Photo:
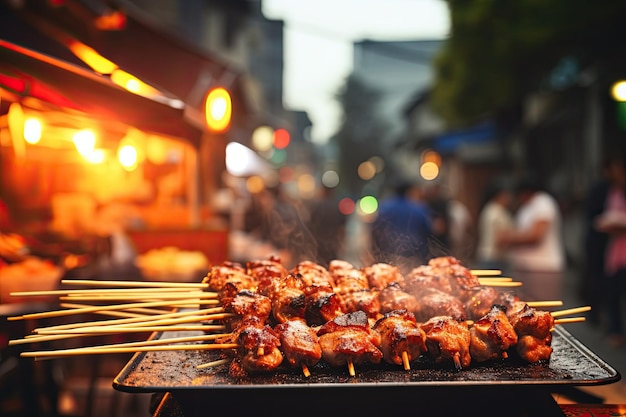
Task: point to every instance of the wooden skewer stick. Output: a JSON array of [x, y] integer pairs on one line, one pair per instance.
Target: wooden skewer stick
[[146, 284], [137, 297], [86, 291], [148, 323], [554, 303], [485, 272], [46, 338], [128, 312], [495, 279], [213, 363], [405, 361], [57, 313], [140, 329], [351, 367], [141, 319], [96, 351], [305, 370], [569, 320], [500, 284], [570, 311]]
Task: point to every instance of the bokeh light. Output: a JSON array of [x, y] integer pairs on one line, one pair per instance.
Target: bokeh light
[[32, 130], [368, 204], [127, 155], [618, 91], [366, 170], [306, 185], [85, 141], [429, 171], [330, 178], [346, 206], [255, 184], [431, 156], [262, 138], [378, 162], [281, 138]]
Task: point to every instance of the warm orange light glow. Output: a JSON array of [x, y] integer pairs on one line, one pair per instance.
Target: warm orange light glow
[[32, 130], [85, 141], [618, 91], [429, 171], [127, 155], [306, 185], [218, 109], [255, 184], [281, 138], [431, 156], [97, 156], [262, 138], [92, 58], [133, 84], [366, 170]]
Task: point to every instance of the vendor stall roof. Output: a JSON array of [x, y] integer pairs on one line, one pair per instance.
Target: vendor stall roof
[[28, 73]]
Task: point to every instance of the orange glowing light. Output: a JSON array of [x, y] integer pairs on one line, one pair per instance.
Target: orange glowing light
[[92, 58], [218, 109], [127, 155], [281, 138], [85, 141], [429, 171], [32, 130], [431, 156], [133, 84]]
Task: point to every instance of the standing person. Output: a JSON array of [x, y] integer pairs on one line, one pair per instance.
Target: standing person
[[328, 226], [536, 250], [402, 230], [613, 221], [495, 217]]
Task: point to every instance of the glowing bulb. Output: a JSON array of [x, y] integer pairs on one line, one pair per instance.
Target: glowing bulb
[[85, 141], [127, 155], [32, 130], [429, 171], [619, 91], [218, 109]]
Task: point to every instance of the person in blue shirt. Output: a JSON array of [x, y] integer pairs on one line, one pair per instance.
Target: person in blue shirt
[[402, 230]]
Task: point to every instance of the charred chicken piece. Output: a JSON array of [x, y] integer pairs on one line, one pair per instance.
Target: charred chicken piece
[[313, 274], [448, 340], [219, 275], [381, 275], [272, 286], [479, 301], [492, 335], [534, 332], [393, 297], [299, 343], [244, 304], [363, 300], [402, 340], [322, 304], [438, 303], [258, 347], [347, 278], [348, 339], [444, 273], [288, 303], [266, 270]]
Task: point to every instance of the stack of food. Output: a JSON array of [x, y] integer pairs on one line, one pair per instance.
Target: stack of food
[[271, 318]]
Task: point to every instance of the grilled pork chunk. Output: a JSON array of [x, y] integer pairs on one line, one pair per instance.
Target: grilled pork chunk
[[492, 335], [400, 333], [448, 340]]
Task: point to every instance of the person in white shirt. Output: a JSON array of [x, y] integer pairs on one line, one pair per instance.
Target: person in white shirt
[[495, 217], [535, 247]]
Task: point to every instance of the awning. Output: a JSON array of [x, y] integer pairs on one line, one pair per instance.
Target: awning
[[474, 135], [139, 46], [27, 73]]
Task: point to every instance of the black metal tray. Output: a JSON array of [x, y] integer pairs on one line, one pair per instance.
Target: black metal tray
[[571, 363]]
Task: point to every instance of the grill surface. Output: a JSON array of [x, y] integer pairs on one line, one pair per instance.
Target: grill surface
[[571, 363]]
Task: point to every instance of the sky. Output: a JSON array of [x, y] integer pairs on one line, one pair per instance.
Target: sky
[[318, 45]]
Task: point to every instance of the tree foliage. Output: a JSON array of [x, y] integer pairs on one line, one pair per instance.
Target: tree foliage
[[499, 51]]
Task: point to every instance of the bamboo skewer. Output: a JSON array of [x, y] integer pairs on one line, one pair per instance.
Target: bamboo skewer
[[140, 329], [147, 290], [96, 351], [136, 297], [405, 361], [144, 284], [494, 283], [351, 367], [57, 313], [213, 363], [305, 370], [569, 320], [495, 279], [485, 272], [131, 320], [128, 312], [570, 311], [547, 303]]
